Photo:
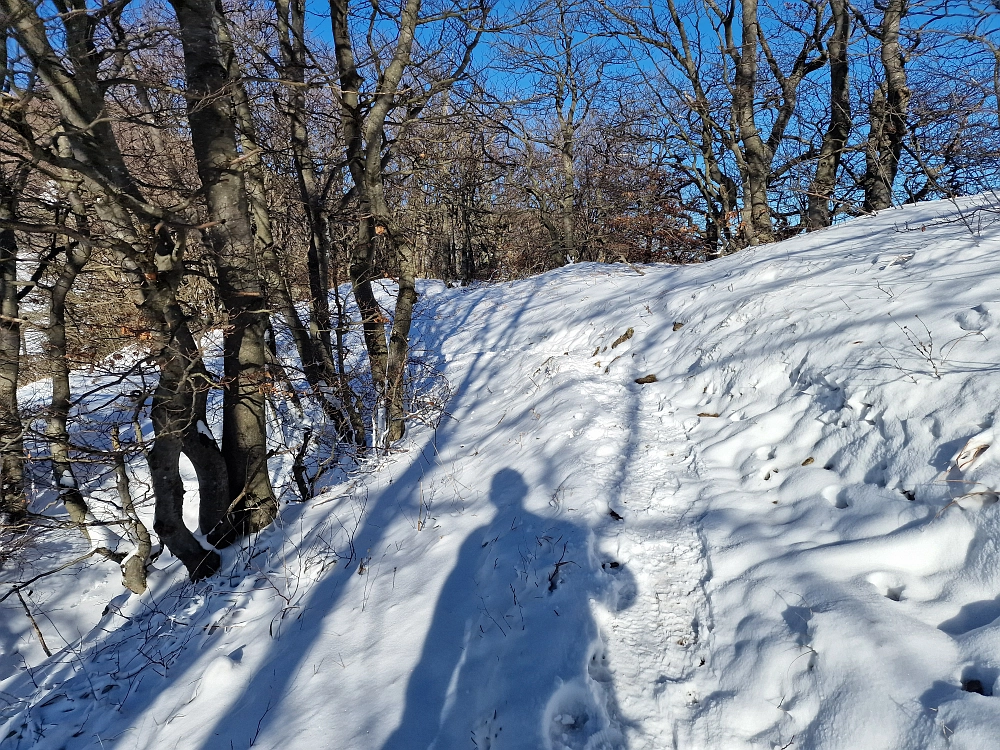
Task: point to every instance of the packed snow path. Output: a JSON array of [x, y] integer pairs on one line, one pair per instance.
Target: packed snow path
[[749, 504]]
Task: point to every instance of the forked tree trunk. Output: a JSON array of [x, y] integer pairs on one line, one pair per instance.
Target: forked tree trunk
[[888, 112], [213, 136], [178, 414], [364, 138]]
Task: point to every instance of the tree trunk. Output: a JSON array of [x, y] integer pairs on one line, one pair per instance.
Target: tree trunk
[[322, 370], [364, 139], [178, 414], [13, 502], [134, 565], [567, 201], [887, 114], [213, 136], [399, 337], [373, 321], [77, 255], [818, 214], [758, 161], [56, 430], [468, 247]]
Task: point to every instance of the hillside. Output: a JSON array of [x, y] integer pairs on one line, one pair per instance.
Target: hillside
[[745, 504]]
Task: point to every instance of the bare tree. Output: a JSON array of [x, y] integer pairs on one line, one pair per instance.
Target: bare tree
[[369, 94], [731, 84], [213, 137], [890, 102], [136, 231], [835, 139], [563, 63]]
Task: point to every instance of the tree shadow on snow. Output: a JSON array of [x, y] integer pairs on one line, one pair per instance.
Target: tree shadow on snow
[[554, 653], [513, 657]]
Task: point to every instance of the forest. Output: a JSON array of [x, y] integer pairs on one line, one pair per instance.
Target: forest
[[286, 172]]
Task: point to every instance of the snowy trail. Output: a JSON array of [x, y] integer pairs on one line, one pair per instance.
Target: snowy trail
[[639, 458], [787, 538], [624, 453]]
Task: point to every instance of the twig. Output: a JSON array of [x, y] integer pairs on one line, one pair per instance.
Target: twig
[[259, 722], [38, 631], [554, 575], [421, 519], [16, 589], [632, 266]]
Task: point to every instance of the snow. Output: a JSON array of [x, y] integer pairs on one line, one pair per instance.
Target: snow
[[788, 539], [203, 430]]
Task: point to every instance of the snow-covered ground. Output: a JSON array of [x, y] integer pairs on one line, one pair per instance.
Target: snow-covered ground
[[787, 538]]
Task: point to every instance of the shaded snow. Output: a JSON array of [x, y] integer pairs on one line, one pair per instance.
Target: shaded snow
[[787, 540]]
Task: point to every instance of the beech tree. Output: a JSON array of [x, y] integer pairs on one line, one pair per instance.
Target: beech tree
[[887, 124], [138, 232], [212, 119], [824, 182], [220, 170], [13, 502], [430, 49]]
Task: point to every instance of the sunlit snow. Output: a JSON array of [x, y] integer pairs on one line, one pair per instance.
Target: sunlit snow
[[789, 538]]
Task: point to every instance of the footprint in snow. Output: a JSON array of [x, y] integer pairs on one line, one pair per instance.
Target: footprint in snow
[[975, 320], [575, 720]]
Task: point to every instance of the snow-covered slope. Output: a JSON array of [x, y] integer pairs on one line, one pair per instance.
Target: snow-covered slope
[[786, 538]]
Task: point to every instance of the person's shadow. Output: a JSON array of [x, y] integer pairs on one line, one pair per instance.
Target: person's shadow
[[513, 657]]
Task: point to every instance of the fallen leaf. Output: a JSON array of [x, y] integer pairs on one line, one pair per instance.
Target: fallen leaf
[[623, 338]]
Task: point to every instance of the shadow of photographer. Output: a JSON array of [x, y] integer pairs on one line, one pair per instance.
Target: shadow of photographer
[[513, 656]]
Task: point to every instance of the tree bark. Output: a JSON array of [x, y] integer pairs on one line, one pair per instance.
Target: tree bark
[[758, 228], [818, 213], [213, 136], [56, 429], [887, 113], [77, 255], [13, 502], [178, 414], [134, 565]]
